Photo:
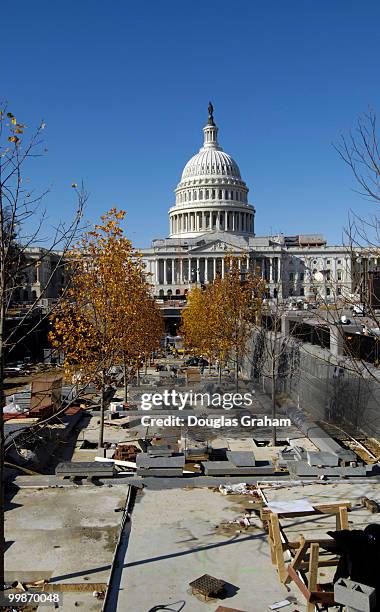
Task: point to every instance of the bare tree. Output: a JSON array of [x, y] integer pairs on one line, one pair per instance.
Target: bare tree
[[275, 354], [23, 224]]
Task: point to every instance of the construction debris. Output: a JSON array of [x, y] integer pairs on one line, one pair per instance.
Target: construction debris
[[238, 489], [371, 505]]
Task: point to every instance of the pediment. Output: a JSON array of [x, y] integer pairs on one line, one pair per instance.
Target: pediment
[[215, 246]]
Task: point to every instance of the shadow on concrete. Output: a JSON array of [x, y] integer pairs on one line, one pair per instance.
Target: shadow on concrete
[[195, 550]]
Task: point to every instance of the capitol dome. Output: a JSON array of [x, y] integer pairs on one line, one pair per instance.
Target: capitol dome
[[211, 161], [211, 195]]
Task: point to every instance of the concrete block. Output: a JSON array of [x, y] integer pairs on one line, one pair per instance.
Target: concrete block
[[354, 595], [301, 468], [143, 460], [241, 458], [321, 458], [161, 473], [159, 450], [221, 468], [83, 469]]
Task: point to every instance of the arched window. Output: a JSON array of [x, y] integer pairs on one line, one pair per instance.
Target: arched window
[[161, 293], [220, 194], [232, 195], [226, 194], [201, 194], [207, 194], [194, 195], [178, 291], [213, 194]]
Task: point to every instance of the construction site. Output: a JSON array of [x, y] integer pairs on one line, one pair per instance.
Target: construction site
[[202, 507]]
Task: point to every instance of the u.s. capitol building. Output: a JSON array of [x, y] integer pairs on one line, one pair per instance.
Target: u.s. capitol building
[[212, 216]]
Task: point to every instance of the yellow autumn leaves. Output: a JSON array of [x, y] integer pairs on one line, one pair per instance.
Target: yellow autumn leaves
[[218, 320], [107, 315], [15, 128]]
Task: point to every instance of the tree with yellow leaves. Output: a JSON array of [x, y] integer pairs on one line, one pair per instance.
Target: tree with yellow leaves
[[217, 321], [101, 319]]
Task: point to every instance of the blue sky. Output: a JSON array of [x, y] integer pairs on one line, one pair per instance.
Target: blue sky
[[123, 87]]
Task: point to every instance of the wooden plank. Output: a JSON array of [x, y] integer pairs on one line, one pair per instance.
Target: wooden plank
[[271, 543], [323, 597], [320, 541], [318, 509], [277, 545], [342, 519], [325, 563], [298, 557], [313, 573], [297, 580]]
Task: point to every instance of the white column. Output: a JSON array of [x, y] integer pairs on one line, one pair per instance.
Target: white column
[[198, 275], [247, 263], [271, 269], [165, 270], [214, 264], [222, 267], [157, 278], [181, 271], [206, 270]]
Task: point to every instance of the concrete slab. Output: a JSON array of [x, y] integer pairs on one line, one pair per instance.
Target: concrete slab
[[169, 549], [226, 467], [143, 460], [65, 535], [241, 458]]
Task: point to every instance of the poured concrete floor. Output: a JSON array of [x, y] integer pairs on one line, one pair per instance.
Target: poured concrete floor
[[175, 539], [64, 535]]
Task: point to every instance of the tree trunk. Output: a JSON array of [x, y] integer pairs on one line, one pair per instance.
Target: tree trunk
[[138, 374], [274, 431], [125, 379], [237, 371], [220, 371], [102, 410]]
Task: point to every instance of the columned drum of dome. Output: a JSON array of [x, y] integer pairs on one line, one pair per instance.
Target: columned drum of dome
[[211, 195]]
